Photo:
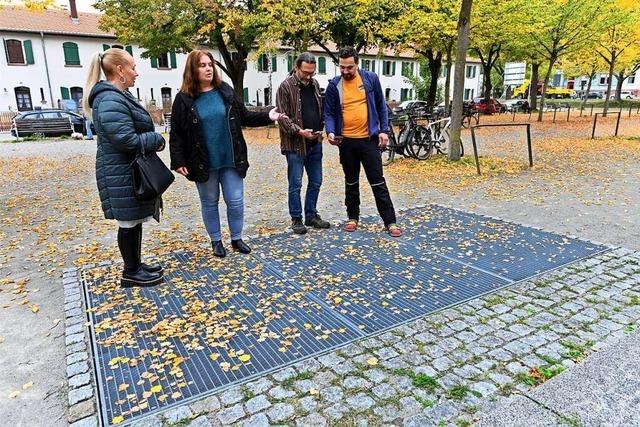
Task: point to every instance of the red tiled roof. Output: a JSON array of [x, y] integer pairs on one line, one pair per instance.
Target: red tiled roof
[[14, 18]]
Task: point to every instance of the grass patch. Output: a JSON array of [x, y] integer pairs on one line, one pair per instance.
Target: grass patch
[[426, 403], [575, 351], [458, 392], [461, 422], [537, 376], [425, 382], [494, 300], [634, 300]]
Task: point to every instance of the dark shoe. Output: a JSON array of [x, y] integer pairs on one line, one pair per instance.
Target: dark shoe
[[152, 268], [317, 222], [240, 246], [218, 249], [297, 226], [140, 278]]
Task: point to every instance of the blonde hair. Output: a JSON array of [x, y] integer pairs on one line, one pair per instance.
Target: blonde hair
[[102, 62]]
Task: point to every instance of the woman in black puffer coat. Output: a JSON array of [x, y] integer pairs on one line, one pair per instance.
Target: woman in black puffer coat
[[123, 126]]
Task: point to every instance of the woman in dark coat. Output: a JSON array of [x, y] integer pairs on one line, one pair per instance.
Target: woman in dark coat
[[123, 127], [207, 145]]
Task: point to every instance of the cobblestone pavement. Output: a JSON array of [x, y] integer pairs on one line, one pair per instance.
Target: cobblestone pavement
[[445, 368]]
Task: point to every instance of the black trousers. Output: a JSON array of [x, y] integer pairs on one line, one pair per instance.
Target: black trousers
[[365, 151]]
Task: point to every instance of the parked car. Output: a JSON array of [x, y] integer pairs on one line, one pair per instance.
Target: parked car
[[517, 105], [592, 95], [625, 94], [494, 106], [413, 107], [77, 120]]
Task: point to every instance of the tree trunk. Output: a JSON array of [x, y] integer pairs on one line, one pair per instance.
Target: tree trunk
[[620, 77], [233, 66], [447, 82], [586, 95], [486, 82], [464, 23], [612, 63], [435, 65], [533, 86], [552, 61]]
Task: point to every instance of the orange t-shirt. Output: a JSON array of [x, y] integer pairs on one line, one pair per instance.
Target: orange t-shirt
[[354, 109]]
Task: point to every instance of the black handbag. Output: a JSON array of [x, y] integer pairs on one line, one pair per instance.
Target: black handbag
[[151, 177]]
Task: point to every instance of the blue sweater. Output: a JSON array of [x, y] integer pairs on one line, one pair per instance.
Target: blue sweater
[[215, 129]]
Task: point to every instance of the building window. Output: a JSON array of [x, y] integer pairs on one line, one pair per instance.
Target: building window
[[71, 56], [557, 80], [389, 68], [404, 94], [387, 93], [165, 93], [369, 65], [76, 95], [407, 69], [23, 98], [604, 80], [322, 65], [165, 61], [468, 94], [15, 53], [42, 99], [152, 98], [263, 63], [290, 60], [245, 95], [631, 79], [471, 71]]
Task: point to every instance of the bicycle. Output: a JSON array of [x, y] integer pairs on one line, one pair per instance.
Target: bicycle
[[398, 144], [470, 117], [440, 134]]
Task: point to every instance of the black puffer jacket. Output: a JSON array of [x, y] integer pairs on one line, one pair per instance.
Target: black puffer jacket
[[186, 141], [122, 125]]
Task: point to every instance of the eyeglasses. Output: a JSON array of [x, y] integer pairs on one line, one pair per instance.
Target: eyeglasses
[[307, 73]]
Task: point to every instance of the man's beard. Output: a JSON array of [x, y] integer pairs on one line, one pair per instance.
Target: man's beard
[[348, 76]]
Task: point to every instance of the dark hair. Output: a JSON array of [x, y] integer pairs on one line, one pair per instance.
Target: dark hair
[[348, 52], [190, 84], [305, 57]]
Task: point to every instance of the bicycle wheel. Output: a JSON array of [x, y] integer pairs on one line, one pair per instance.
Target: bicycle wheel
[[466, 122], [421, 145], [389, 152]]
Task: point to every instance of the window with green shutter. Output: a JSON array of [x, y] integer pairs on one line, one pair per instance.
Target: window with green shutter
[[71, 56], [174, 62], [263, 63], [129, 49], [373, 66], [28, 52], [105, 47], [245, 94], [274, 64], [154, 62], [64, 91], [289, 62], [322, 65]]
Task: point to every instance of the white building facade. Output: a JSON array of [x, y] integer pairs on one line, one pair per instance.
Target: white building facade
[[46, 58]]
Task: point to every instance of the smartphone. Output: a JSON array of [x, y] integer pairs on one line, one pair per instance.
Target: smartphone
[[316, 132], [338, 138]]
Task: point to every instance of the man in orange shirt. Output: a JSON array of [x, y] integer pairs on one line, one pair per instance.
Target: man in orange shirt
[[357, 121]]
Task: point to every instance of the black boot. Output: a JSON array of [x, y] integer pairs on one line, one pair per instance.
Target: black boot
[[240, 246], [297, 226], [218, 249], [134, 274], [151, 268]]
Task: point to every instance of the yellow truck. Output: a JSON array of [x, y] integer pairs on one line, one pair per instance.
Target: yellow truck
[[552, 92]]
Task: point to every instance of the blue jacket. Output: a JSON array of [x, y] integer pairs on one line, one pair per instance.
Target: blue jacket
[[378, 117], [122, 125]]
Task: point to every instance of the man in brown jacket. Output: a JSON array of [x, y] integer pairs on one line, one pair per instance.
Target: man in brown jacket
[[298, 97]]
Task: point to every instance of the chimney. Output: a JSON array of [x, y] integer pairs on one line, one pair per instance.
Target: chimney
[[74, 11]]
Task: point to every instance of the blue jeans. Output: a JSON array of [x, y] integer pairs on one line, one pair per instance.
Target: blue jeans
[[295, 167], [233, 192]]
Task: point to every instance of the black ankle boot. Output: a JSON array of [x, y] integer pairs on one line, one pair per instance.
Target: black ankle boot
[[134, 274], [218, 249], [151, 268], [240, 246]]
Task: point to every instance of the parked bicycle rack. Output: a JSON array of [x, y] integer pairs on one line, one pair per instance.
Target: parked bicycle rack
[[475, 147], [595, 120]]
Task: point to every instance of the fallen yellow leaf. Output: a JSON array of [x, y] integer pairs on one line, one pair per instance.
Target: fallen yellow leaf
[[27, 385], [372, 361], [14, 394], [117, 420], [244, 358], [156, 389]]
